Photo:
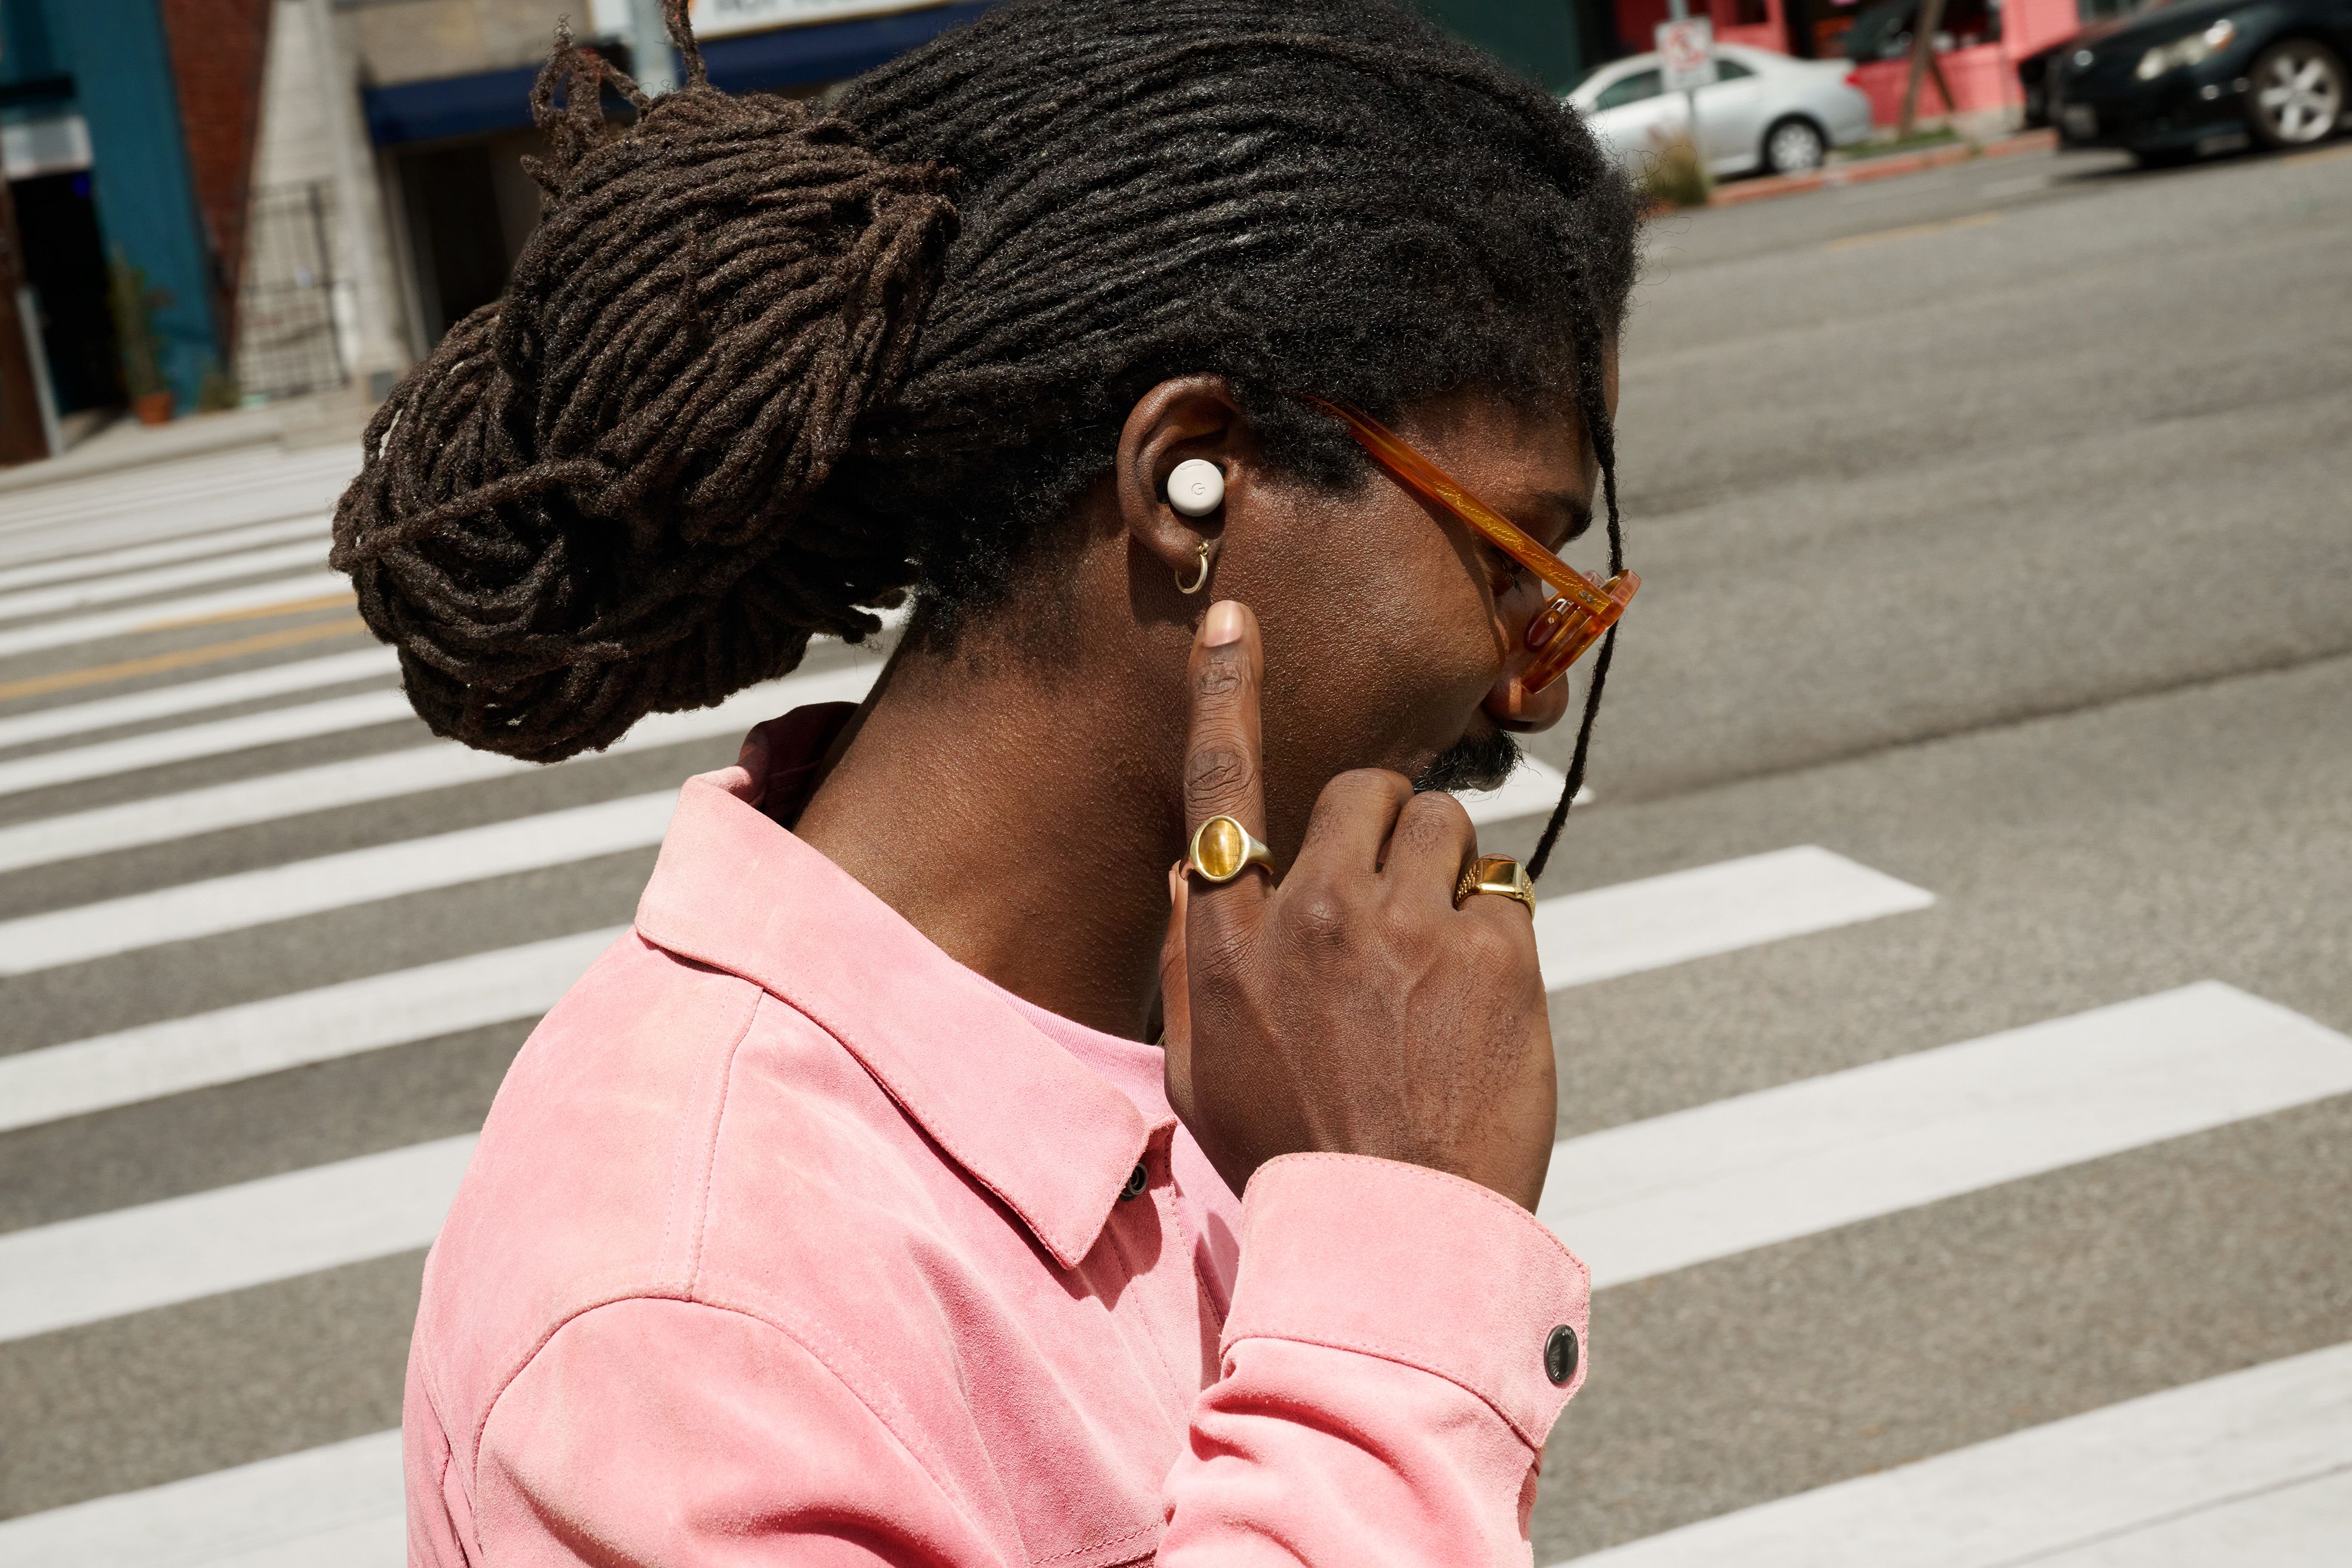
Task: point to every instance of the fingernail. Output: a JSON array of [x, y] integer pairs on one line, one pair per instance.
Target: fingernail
[[1223, 624]]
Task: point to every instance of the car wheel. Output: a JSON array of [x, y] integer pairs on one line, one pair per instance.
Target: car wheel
[[2298, 93], [1794, 146]]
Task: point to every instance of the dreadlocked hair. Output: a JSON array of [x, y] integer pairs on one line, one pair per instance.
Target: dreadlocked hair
[[764, 370]]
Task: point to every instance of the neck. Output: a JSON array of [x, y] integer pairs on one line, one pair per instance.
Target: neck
[[1018, 818]]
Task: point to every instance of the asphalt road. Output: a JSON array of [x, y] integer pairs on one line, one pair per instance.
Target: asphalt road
[[1994, 526]]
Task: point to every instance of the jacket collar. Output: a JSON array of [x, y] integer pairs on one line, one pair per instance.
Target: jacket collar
[[736, 892]]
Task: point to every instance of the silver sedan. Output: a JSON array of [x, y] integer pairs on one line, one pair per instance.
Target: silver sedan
[[1763, 112]]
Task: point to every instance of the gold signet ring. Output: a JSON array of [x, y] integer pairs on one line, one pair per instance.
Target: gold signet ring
[[1222, 848], [1495, 874]]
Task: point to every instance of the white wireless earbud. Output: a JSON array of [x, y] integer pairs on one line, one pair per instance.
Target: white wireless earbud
[[1196, 487]]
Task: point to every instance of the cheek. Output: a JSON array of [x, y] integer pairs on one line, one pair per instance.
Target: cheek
[[1383, 657]]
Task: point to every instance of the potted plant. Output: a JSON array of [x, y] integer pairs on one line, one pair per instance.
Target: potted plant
[[135, 304]]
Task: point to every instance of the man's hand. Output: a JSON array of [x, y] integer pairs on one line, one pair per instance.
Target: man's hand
[[1352, 1009]]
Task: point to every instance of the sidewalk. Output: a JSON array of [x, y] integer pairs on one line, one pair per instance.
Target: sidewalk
[[1891, 166], [126, 444]]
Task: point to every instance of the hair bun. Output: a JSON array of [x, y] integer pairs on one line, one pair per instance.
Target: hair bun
[[598, 498]]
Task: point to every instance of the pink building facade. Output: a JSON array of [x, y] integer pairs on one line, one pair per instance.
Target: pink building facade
[[1985, 39]]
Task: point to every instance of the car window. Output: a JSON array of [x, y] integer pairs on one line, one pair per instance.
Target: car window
[[1629, 90], [1728, 70]]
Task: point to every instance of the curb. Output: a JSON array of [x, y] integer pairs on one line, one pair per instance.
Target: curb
[[1864, 170]]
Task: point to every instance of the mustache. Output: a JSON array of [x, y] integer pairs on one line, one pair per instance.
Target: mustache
[[1472, 764]]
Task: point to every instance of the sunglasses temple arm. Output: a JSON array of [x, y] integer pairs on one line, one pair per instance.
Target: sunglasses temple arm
[[1415, 471]]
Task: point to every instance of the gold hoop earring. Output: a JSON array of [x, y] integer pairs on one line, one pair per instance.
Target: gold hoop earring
[[1199, 579]]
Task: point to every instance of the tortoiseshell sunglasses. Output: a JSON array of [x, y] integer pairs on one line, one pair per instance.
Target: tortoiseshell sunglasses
[[1580, 610]]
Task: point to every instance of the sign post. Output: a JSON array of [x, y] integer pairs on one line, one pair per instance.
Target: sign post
[[1686, 60]]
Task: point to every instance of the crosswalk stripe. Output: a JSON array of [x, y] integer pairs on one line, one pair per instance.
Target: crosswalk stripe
[[295, 594], [163, 499], [2131, 1467], [1706, 1183], [246, 485], [383, 777], [243, 899], [1686, 914], [339, 1506], [118, 669], [1532, 790], [1634, 1201], [81, 1076], [55, 598], [190, 910], [212, 738], [194, 697], [2254, 1467], [161, 552], [134, 1260], [262, 1037], [2247, 1466], [203, 1050], [168, 519]]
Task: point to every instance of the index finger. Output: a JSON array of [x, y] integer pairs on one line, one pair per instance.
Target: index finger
[[1223, 757]]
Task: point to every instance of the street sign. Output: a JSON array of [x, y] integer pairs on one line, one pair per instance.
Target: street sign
[[1686, 54]]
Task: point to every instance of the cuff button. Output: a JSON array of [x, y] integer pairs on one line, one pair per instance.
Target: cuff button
[[1136, 1183], [1560, 1356]]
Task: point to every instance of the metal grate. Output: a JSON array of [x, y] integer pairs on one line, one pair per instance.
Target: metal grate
[[286, 312]]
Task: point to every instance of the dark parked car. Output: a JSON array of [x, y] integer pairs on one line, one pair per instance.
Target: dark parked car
[[2033, 76], [2181, 72]]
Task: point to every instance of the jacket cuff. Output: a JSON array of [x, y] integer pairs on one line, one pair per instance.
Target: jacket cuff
[[1416, 1266]]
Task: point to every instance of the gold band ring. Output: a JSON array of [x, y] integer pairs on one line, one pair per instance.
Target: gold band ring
[[1222, 848], [1495, 874]]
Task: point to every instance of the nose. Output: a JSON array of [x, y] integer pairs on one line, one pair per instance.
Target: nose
[[1508, 702], [1514, 708]]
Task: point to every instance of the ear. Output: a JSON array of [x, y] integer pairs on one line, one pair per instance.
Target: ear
[[1191, 416]]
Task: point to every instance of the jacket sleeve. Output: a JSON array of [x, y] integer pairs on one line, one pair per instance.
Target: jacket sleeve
[[1387, 1375]]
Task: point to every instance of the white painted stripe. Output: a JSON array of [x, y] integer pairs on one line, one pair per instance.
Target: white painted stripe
[[59, 597], [1686, 914], [382, 776], [87, 537], [336, 1506], [178, 487], [1718, 1179], [2252, 1467], [90, 1075], [148, 491], [153, 749], [2113, 1489], [232, 903], [194, 697], [86, 529], [167, 1058], [321, 1025], [128, 558], [2297, 1524], [1532, 790], [164, 613], [134, 1259]]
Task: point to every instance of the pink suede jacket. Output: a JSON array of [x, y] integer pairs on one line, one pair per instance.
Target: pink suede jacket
[[791, 1240]]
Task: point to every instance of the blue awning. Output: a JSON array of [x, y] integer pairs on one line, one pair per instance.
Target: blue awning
[[449, 106], [489, 101]]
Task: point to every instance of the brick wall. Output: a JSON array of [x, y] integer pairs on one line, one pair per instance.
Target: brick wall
[[217, 48]]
